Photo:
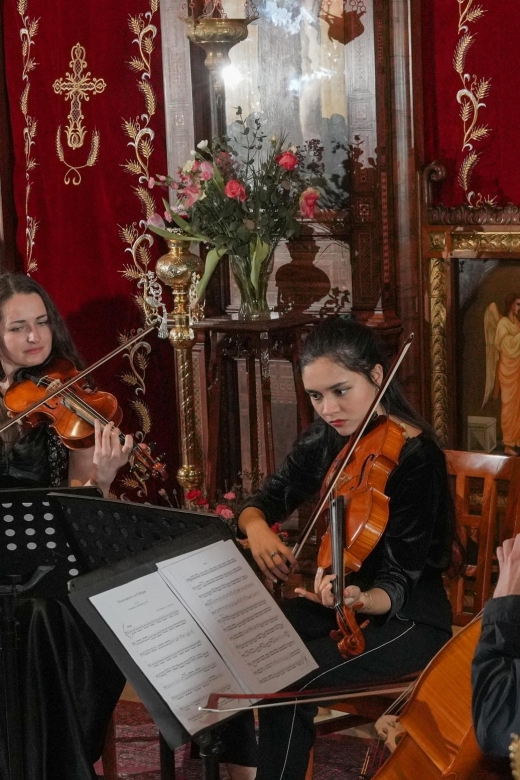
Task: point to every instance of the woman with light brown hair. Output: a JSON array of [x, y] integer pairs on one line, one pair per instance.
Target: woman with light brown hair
[[68, 683]]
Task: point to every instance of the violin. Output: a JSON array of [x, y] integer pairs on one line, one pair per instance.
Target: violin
[[364, 508], [362, 483], [70, 407], [359, 512]]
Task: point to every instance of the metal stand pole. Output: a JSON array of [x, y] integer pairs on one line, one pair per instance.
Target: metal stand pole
[[209, 747], [167, 759]]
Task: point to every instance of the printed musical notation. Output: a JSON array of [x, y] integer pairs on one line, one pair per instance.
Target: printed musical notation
[[204, 623]]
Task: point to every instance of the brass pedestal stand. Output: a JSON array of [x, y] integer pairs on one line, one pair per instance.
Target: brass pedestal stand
[[176, 269]]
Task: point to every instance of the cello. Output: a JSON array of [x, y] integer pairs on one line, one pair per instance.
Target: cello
[[439, 741]]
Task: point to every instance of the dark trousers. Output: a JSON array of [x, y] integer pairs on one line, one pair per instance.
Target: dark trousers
[[286, 734]]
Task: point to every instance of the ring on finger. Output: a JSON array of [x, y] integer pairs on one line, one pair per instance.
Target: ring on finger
[[273, 553]]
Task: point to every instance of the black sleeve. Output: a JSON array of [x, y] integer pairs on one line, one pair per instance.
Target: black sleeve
[[495, 676], [301, 474], [416, 528]]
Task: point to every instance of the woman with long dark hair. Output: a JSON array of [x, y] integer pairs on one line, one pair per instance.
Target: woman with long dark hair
[[68, 683], [399, 586]]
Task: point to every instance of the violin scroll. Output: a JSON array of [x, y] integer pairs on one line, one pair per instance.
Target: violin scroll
[[144, 464], [349, 634]]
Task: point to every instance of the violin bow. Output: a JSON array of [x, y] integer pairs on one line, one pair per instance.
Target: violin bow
[[354, 441], [76, 378], [286, 698]]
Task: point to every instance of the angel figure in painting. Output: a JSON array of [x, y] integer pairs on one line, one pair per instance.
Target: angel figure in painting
[[503, 367]]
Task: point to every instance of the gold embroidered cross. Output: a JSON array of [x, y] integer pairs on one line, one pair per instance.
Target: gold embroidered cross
[[77, 86]]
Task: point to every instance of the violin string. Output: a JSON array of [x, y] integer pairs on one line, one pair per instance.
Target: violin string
[[70, 394], [370, 759]]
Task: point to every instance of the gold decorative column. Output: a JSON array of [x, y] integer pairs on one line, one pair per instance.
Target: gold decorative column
[[217, 37], [439, 359], [176, 269]]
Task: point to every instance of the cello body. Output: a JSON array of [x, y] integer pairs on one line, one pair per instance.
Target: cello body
[[439, 741]]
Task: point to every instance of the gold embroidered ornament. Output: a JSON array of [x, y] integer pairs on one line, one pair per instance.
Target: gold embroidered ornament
[[77, 86]]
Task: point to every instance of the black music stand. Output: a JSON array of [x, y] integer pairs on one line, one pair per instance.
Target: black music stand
[[127, 540], [34, 556]]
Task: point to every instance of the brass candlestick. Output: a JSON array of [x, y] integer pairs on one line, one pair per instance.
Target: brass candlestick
[[217, 37], [176, 269]]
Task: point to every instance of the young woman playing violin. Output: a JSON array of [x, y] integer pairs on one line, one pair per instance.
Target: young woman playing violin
[[69, 684], [399, 586], [31, 332]]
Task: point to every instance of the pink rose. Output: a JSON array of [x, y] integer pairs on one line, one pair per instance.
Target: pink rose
[[229, 496], [206, 170], [190, 195], [235, 190], [308, 200], [151, 182], [287, 160], [224, 511]]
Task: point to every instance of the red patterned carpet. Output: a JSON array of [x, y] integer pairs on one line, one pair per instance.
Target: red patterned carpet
[[336, 755]]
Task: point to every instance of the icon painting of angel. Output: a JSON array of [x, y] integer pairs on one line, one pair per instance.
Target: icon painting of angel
[[502, 333]]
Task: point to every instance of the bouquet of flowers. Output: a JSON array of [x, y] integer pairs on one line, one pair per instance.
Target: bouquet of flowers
[[241, 200]]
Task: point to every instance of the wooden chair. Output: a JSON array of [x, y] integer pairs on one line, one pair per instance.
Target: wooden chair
[[486, 492]]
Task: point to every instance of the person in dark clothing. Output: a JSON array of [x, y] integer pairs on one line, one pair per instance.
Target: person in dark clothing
[[399, 586], [69, 685], [495, 673]]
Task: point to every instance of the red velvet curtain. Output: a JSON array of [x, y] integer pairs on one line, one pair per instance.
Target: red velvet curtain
[[85, 91], [470, 55]]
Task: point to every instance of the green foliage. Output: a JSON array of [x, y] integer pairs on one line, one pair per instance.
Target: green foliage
[[241, 196]]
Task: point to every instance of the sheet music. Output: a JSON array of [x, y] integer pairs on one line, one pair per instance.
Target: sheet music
[[240, 617], [166, 643]]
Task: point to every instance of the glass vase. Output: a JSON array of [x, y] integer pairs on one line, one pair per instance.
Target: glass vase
[[253, 301]]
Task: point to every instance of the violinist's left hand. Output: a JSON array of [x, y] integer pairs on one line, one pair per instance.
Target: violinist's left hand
[[323, 591], [109, 455]]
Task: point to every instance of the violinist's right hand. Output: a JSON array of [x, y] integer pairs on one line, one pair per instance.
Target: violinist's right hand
[[271, 554]]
